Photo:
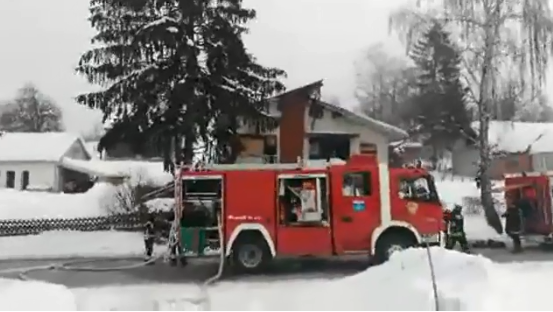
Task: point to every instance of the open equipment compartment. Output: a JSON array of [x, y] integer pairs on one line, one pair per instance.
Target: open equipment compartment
[[202, 203]]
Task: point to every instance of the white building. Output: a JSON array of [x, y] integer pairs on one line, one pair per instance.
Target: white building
[[35, 160]]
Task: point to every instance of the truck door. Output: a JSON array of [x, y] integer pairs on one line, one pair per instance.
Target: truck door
[[538, 193], [355, 208]]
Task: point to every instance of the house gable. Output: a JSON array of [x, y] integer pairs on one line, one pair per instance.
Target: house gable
[[77, 150]]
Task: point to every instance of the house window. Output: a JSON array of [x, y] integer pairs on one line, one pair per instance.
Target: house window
[[356, 184], [10, 179], [24, 180]]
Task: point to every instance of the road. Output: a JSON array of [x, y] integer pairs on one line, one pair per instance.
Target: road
[[200, 270]]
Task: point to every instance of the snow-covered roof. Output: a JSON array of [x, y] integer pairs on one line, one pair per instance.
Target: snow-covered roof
[[45, 146], [514, 137], [393, 132]]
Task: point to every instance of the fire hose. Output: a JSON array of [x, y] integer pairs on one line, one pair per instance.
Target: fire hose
[[204, 300]]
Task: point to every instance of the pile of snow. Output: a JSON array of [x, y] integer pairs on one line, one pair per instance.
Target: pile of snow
[[465, 282], [41, 205], [67, 244], [35, 296], [160, 204]]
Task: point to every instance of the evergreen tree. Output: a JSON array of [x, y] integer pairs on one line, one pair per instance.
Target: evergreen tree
[[176, 71], [441, 104]]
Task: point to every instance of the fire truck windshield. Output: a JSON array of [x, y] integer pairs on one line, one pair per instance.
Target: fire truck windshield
[[419, 188]]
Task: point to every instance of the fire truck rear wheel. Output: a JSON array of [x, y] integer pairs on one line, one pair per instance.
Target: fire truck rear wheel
[[391, 243], [250, 254]]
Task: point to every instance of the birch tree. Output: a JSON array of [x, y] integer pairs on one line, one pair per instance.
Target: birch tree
[[495, 34]]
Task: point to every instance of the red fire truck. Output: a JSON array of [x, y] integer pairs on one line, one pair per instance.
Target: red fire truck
[[316, 208], [537, 188]]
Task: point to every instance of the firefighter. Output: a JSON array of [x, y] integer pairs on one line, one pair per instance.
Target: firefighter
[[149, 237], [478, 178], [456, 230], [513, 223]]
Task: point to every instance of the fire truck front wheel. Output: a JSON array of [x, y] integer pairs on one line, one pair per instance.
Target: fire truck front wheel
[[250, 253], [393, 242]]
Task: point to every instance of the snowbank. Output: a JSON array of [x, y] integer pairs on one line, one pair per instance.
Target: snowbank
[[35, 296], [160, 204], [40, 205], [465, 282], [67, 244]]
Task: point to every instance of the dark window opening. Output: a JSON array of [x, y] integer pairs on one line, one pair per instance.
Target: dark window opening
[[25, 180], [270, 149], [10, 179], [329, 146]]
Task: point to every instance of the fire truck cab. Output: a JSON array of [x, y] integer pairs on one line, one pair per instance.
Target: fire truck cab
[[316, 208], [537, 189]]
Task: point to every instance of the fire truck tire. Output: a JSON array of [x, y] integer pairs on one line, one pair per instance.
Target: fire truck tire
[[392, 242], [250, 253]]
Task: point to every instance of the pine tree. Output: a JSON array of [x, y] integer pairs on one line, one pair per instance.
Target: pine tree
[[174, 71], [441, 104]]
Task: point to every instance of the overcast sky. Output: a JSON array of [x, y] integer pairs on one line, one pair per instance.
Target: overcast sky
[[310, 39]]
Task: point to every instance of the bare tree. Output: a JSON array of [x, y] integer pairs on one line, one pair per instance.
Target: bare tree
[[495, 34], [384, 84], [31, 111], [538, 110]]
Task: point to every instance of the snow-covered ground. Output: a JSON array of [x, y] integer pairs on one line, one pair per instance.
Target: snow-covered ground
[[67, 244], [35, 296], [464, 283]]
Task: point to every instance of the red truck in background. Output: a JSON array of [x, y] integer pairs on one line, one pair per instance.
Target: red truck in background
[[537, 188], [315, 208]]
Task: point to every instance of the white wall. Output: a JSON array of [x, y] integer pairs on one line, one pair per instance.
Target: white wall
[[41, 174]]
